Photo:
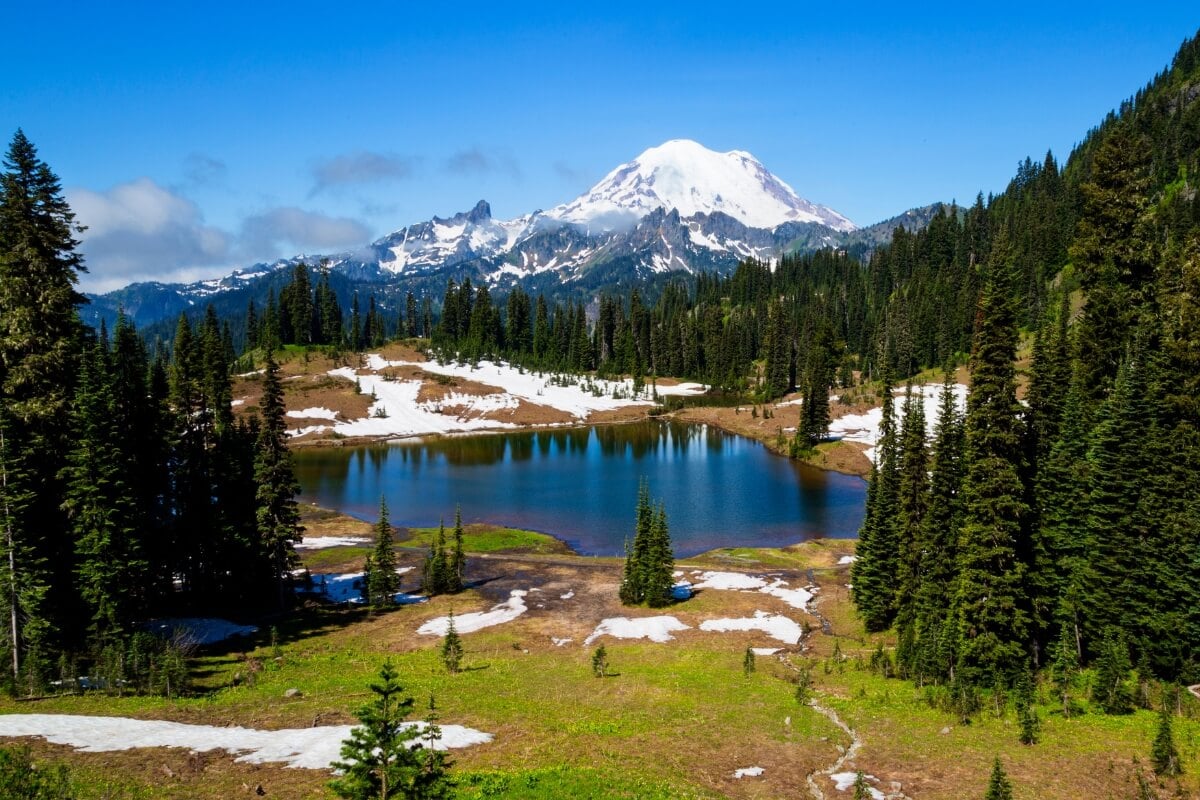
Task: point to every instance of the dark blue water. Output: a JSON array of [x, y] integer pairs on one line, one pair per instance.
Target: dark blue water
[[581, 485]]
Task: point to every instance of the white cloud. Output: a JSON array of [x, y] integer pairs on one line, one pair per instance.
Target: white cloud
[[477, 161], [302, 230], [361, 166], [141, 231]]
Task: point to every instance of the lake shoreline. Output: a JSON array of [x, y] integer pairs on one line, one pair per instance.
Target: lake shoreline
[[842, 457]]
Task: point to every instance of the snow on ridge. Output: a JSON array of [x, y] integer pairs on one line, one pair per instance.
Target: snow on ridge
[[304, 748], [686, 176]]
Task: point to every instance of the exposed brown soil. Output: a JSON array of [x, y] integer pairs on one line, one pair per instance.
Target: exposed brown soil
[[439, 387]]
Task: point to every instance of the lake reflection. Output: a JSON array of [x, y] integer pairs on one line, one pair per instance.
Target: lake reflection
[[581, 485]]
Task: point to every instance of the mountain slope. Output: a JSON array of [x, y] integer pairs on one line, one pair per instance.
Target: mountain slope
[[687, 177], [678, 207]]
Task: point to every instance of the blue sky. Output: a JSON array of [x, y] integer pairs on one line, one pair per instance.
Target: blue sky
[[193, 138]]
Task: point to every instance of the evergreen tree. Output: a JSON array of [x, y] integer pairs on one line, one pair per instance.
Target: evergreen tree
[[101, 507], [910, 545], [999, 787], [748, 662], [1111, 690], [277, 514], [600, 662], [436, 568], [874, 573], [938, 538], [1027, 716], [1064, 667], [637, 557], [452, 648], [383, 757], [381, 581], [862, 790], [457, 563], [1164, 755], [780, 368], [658, 568], [39, 354], [993, 622]]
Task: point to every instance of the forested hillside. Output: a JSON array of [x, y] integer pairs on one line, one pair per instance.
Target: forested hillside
[[1067, 526]]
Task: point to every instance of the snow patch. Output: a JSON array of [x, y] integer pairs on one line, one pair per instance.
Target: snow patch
[[199, 630], [308, 748], [316, 412], [864, 428], [561, 642], [748, 772], [347, 587], [740, 582], [774, 625], [322, 542], [500, 613], [847, 560], [656, 629], [844, 781]]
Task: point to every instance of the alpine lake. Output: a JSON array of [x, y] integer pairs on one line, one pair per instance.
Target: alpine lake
[[581, 484]]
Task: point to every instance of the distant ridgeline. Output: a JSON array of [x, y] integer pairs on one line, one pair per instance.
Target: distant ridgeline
[[129, 491]]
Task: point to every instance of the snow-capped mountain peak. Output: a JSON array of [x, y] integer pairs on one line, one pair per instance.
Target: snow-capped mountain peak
[[686, 176]]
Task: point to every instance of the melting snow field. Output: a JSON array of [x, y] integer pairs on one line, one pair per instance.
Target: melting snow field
[[507, 611], [322, 542], [748, 772], [844, 781], [346, 587], [200, 630], [656, 629], [396, 411], [308, 748], [864, 428], [740, 582], [774, 625]]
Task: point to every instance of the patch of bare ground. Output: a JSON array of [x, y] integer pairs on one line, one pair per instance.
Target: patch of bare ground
[[438, 387], [774, 424], [618, 415], [401, 351], [527, 413]]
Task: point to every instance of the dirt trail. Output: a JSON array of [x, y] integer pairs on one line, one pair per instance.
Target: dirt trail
[[850, 752], [1195, 690], [856, 741]]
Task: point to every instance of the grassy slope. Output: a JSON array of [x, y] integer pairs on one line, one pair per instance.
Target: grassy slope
[[674, 721]]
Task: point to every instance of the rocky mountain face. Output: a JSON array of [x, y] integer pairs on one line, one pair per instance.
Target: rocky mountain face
[[676, 208]]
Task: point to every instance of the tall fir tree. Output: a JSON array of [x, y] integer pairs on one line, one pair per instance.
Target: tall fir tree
[[911, 547], [277, 515], [39, 356], [101, 506], [939, 542], [457, 562], [381, 581], [874, 572], [993, 620], [637, 557]]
